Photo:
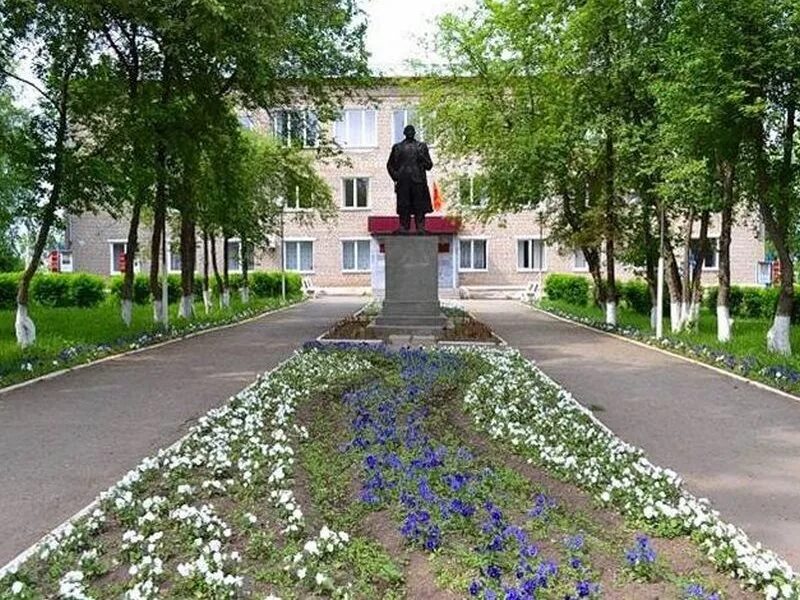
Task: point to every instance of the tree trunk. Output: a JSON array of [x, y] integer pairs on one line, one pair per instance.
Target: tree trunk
[[188, 250], [611, 227], [674, 283], [724, 321], [696, 294], [226, 289], [650, 261], [159, 231], [244, 292], [217, 278], [130, 257], [24, 326], [595, 269], [206, 282]]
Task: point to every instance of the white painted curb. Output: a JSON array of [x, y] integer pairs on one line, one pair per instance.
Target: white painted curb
[[700, 363], [166, 342]]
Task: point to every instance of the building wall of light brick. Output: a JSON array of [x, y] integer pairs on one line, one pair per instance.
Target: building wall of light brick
[[91, 234]]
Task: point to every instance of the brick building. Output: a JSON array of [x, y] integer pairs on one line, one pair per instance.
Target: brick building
[[344, 253]]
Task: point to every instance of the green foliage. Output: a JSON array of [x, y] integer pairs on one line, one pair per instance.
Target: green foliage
[[9, 283], [141, 288], [752, 302], [636, 296], [58, 290], [86, 290], [267, 284], [573, 289]]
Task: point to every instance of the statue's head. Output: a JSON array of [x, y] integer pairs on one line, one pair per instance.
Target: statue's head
[[409, 132]]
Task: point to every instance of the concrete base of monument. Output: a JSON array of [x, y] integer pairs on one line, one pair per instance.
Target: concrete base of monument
[[411, 301]]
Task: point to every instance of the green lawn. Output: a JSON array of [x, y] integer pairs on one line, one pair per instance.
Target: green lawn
[[749, 335], [84, 329]]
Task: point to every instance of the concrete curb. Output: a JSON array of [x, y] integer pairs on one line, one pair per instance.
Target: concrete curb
[[758, 384], [26, 554], [166, 342]]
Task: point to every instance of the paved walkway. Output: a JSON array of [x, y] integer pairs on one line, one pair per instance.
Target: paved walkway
[[733, 443], [64, 440]]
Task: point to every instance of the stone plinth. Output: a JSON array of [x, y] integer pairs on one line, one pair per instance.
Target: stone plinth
[[411, 302]]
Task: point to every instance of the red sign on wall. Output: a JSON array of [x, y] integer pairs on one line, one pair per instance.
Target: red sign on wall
[[776, 272], [54, 261]]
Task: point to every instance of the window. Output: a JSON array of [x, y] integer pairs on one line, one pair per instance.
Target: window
[[530, 255], [711, 260], [356, 192], [234, 255], [579, 261], [174, 256], [355, 255], [407, 116], [472, 190], [298, 200], [66, 261], [472, 255], [356, 128], [296, 127], [299, 255], [117, 258]]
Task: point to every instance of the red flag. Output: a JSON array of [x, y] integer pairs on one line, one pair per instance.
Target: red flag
[[437, 198]]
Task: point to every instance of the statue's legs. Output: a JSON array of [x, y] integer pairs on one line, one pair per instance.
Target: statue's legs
[[419, 221], [405, 221]]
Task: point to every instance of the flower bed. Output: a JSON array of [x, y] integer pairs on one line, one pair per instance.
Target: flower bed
[[781, 376], [167, 529], [515, 402], [272, 495]]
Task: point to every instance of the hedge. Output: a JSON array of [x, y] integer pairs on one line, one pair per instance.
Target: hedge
[[68, 289], [9, 283], [751, 302], [573, 289]]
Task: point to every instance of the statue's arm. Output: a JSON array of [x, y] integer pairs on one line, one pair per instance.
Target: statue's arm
[[390, 164], [426, 158]]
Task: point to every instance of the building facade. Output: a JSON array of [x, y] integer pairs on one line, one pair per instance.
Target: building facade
[[345, 252]]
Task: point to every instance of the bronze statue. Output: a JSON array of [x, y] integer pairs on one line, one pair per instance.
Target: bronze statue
[[407, 164]]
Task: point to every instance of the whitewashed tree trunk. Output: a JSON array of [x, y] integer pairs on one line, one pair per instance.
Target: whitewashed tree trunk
[[778, 339], [187, 307], [25, 328], [675, 317], [225, 299], [611, 313], [127, 312], [724, 324], [207, 301], [244, 294], [158, 311]]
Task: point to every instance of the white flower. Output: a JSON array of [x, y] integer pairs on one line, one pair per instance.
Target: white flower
[[16, 587], [301, 573]]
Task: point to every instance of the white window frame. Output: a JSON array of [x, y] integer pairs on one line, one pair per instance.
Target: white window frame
[[355, 188], [715, 268], [299, 239], [397, 136], [355, 254], [472, 202], [472, 239], [345, 120], [288, 140], [575, 266], [113, 269], [532, 238], [169, 257], [296, 208]]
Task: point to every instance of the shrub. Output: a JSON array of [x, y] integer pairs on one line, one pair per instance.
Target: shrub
[[636, 295], [9, 282], [86, 290], [51, 289], [265, 284], [749, 302], [141, 288], [573, 289]]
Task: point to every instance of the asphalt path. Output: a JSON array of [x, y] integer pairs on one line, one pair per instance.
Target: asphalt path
[[66, 439], [733, 443]]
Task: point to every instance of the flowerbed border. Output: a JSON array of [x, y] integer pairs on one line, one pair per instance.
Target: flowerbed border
[[651, 342], [166, 338]]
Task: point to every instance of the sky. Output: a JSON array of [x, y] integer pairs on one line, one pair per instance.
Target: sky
[[394, 26]]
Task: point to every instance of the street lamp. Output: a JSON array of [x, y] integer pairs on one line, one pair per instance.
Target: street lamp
[[660, 290]]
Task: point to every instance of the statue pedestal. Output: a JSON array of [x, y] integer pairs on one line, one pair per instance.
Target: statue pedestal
[[411, 303]]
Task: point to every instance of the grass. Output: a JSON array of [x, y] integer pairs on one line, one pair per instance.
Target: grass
[[749, 335], [67, 336]]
